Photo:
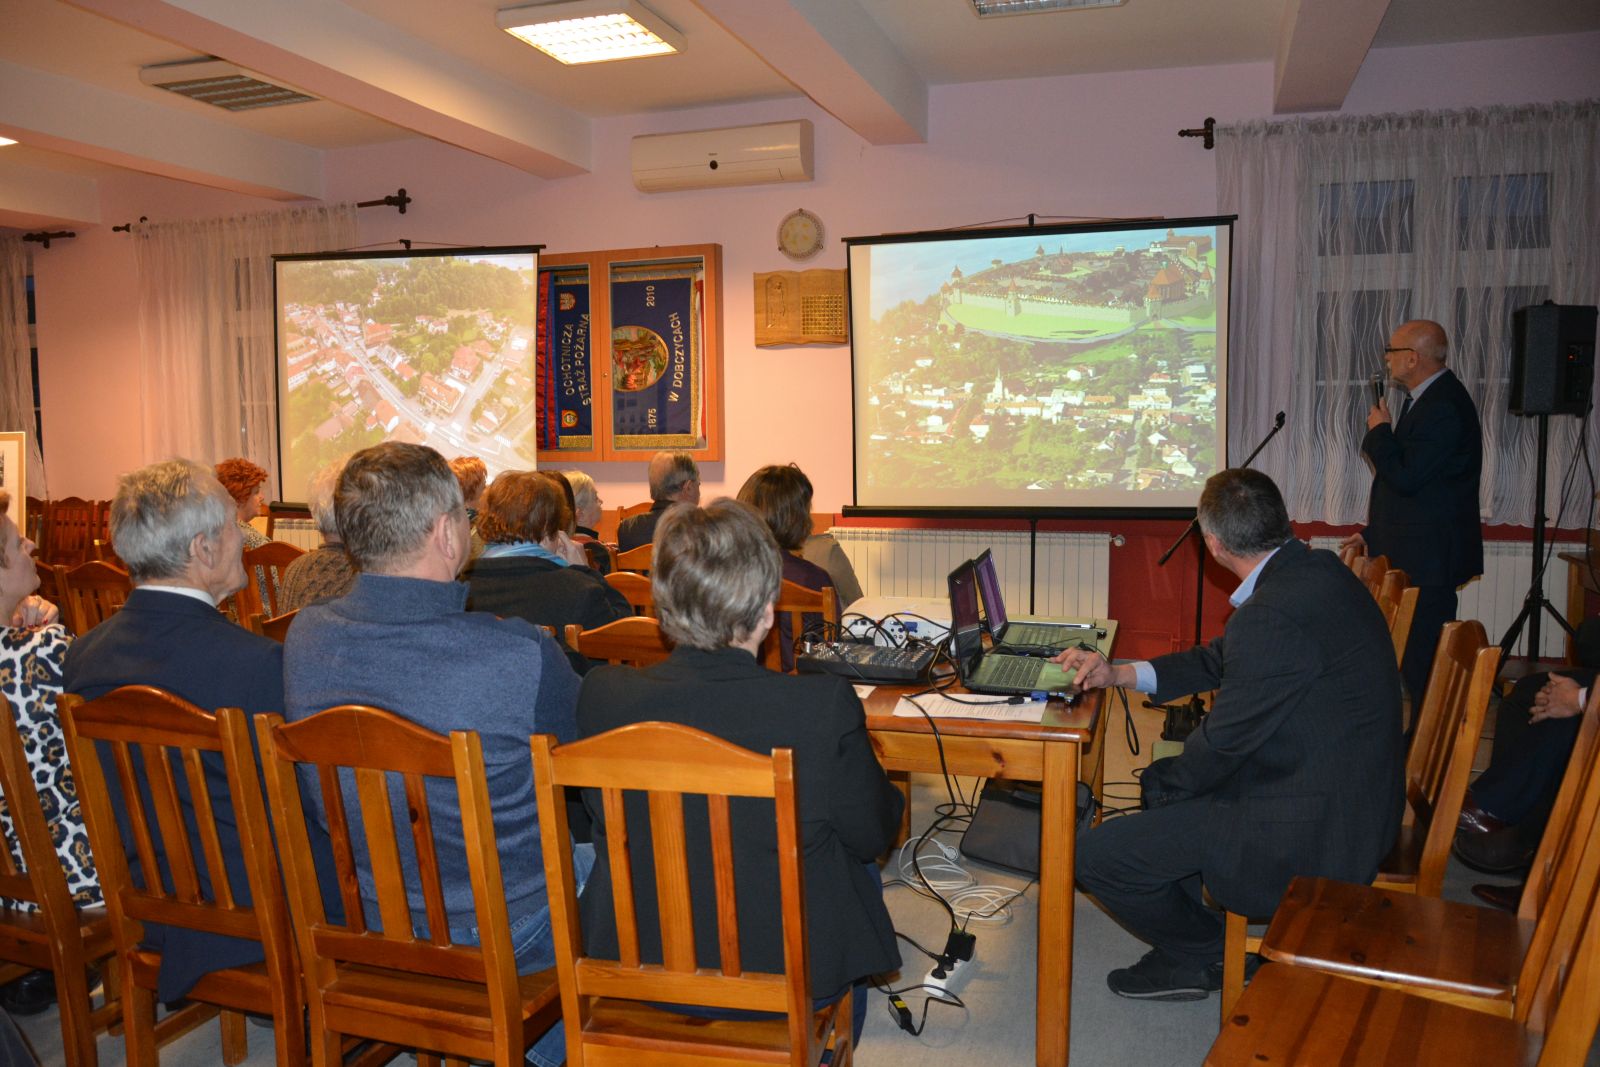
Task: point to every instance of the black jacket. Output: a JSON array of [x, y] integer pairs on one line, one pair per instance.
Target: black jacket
[[640, 529], [546, 594], [849, 812]]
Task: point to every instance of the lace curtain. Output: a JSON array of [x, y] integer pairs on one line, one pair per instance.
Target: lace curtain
[[1349, 226], [206, 328], [16, 369]]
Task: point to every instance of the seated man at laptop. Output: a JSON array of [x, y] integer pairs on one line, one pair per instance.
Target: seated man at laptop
[[1296, 770]]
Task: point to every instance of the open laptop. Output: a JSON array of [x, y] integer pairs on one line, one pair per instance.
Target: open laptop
[[1033, 636], [993, 672]]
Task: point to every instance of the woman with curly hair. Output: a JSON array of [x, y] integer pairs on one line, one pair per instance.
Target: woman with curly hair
[[243, 481]]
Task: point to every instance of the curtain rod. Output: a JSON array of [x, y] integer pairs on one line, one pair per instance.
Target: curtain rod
[[44, 237], [398, 199], [1206, 130]]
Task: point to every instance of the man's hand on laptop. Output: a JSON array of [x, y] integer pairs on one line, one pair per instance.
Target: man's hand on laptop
[[1093, 671]]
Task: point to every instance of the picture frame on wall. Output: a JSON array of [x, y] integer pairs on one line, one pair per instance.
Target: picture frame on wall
[[14, 473]]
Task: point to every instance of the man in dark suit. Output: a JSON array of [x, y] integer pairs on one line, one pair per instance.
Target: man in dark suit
[[1423, 511], [715, 575], [674, 479], [173, 524], [1295, 771]]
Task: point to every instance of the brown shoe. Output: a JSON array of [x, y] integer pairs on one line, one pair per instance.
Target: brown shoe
[[1474, 820], [1504, 897]]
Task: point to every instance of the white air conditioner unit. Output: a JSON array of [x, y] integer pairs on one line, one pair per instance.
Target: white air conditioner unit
[[736, 155]]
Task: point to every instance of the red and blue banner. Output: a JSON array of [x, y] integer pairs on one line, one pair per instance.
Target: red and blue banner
[[657, 388], [566, 414]]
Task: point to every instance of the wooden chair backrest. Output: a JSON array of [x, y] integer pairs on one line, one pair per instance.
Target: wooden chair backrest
[[50, 586], [796, 602], [1372, 572], [38, 879], [636, 641], [636, 559], [1446, 740], [170, 760], [676, 761], [1400, 626], [72, 523], [92, 592], [263, 568], [635, 589], [276, 627], [376, 751], [628, 511], [1354, 557]]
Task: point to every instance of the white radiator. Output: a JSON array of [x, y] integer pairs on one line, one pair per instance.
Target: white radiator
[[1495, 599], [302, 533], [1073, 570]]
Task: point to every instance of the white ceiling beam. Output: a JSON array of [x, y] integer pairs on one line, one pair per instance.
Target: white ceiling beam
[[35, 198], [350, 58], [1321, 46], [832, 51], [50, 111]]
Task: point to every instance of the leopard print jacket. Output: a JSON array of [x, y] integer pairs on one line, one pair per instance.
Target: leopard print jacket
[[30, 678]]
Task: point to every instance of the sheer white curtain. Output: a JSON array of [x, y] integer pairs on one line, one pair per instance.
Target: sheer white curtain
[[1349, 226], [16, 369], [206, 329]]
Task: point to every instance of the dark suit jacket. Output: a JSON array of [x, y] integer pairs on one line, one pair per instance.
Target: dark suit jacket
[[1423, 511], [1300, 763], [849, 812], [546, 594], [640, 529], [179, 644]]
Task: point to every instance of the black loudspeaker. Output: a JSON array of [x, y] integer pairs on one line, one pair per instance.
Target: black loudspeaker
[[1552, 359]]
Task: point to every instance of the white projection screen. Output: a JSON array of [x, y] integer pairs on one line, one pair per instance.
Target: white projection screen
[[1051, 369], [436, 347]]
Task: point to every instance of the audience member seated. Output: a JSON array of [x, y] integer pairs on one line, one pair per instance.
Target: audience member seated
[[674, 479], [521, 573], [564, 544], [1297, 770], [177, 529], [31, 658], [326, 571], [473, 476], [823, 549], [402, 640], [243, 481], [586, 519], [1505, 811], [715, 579], [782, 497]]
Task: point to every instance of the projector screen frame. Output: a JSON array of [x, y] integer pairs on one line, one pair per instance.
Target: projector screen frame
[[1014, 512], [278, 363]]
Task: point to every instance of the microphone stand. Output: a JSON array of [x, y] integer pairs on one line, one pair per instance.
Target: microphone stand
[[1182, 719]]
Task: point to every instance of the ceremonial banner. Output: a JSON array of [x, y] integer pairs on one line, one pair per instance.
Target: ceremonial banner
[[657, 355], [565, 410]]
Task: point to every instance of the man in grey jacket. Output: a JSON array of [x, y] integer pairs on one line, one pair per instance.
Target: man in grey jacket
[[402, 640]]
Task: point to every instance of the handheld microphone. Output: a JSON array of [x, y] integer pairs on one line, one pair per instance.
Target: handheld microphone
[[1377, 389]]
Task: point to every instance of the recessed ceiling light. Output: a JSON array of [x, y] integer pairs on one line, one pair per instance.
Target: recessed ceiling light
[[591, 31], [5, 141], [212, 81], [991, 8]]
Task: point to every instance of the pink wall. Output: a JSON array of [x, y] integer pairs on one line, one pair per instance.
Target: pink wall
[[1101, 145]]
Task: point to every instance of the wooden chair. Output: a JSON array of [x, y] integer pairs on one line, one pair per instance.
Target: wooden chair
[[795, 603], [58, 937], [607, 1004], [276, 627], [635, 559], [1397, 599], [33, 523], [50, 585], [1295, 1015], [628, 511], [635, 589], [1476, 957], [91, 593], [71, 525], [264, 568], [165, 738], [1437, 770], [1371, 573], [391, 984], [637, 642]]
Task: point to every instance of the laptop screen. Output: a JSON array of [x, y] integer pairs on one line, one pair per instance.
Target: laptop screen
[[994, 605], [964, 622]]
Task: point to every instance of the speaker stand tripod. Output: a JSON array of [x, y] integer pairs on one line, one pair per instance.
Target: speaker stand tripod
[[1535, 603]]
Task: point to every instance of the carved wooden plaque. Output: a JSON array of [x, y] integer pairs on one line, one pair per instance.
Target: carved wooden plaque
[[801, 307]]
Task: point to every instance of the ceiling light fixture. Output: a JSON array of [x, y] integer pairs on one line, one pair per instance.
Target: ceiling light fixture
[[992, 8], [5, 141], [211, 81], [591, 31]]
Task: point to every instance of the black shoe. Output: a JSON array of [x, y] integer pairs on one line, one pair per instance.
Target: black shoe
[[30, 994], [1493, 853], [1158, 977], [1504, 897]]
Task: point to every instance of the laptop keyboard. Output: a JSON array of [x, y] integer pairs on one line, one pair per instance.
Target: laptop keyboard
[[1009, 670], [1035, 635]]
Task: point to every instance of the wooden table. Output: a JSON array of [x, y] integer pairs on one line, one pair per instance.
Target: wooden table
[[1045, 752]]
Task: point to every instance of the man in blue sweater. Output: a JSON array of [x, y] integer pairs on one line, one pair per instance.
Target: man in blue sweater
[[402, 640]]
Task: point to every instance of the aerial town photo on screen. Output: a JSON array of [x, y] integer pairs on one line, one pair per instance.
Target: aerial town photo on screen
[[437, 350], [1072, 361]]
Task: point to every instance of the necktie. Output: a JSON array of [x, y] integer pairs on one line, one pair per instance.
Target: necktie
[[1404, 407]]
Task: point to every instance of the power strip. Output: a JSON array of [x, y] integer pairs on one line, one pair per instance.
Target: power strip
[[948, 979]]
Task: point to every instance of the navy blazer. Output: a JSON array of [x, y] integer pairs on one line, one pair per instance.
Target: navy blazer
[[191, 650], [1300, 763], [1423, 511]]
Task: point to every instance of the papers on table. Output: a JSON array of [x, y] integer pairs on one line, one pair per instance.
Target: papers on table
[[970, 706]]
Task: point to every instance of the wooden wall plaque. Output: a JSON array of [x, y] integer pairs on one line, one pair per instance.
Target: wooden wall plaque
[[801, 307]]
